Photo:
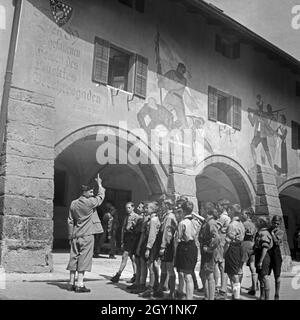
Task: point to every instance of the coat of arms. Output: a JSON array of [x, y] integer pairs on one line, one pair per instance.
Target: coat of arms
[[61, 12]]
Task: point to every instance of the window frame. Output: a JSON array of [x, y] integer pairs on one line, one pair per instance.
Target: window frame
[[221, 47], [234, 114], [101, 68]]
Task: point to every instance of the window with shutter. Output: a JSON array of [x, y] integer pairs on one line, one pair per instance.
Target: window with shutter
[[212, 104], [140, 79], [237, 113], [101, 61], [224, 108], [218, 44], [228, 48]]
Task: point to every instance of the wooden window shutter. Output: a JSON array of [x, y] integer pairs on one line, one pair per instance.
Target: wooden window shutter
[[218, 43], [295, 129], [237, 113], [212, 104], [140, 79], [101, 61], [229, 110], [236, 50]]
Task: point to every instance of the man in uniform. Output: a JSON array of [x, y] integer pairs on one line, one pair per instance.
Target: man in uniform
[[81, 232]]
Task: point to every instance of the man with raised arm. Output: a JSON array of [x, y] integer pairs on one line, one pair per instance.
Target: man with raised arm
[[81, 231]]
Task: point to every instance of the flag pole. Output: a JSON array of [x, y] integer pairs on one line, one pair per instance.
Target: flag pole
[[158, 62]]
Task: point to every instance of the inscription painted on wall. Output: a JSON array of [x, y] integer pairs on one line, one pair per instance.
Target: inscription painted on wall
[[58, 62], [270, 131]]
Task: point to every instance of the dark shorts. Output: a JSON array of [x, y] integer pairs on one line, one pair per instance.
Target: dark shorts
[[248, 251], [234, 259], [186, 257], [81, 254], [129, 240], [169, 253], [208, 262], [154, 252], [137, 240], [257, 139], [275, 261], [266, 265]]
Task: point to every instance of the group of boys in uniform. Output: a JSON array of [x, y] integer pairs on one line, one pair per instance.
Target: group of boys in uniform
[[163, 236]]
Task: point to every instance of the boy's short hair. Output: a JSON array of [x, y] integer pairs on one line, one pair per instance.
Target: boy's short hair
[[131, 203], [276, 218], [213, 212], [88, 187], [263, 222], [224, 203], [236, 209], [187, 207], [209, 206]]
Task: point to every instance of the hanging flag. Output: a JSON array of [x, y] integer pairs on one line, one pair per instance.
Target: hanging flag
[[61, 12]]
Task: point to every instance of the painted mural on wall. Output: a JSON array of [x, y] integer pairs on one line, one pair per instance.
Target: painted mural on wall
[[177, 108], [269, 139]]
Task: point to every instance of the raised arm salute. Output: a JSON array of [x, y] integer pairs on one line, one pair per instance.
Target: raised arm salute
[[81, 229]]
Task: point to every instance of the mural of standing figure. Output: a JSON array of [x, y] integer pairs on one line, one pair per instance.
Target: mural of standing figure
[[175, 83], [281, 154], [262, 130]]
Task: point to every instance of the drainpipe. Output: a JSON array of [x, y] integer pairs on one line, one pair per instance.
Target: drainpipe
[[9, 71]]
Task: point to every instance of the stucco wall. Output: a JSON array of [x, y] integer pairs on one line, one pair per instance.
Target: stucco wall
[[59, 63]]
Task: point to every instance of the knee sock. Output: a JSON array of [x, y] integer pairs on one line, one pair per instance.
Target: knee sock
[[72, 277], [277, 287], [254, 281], [237, 290], [163, 277], [172, 281]]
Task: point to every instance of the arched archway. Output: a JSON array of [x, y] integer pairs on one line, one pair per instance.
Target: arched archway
[[289, 195], [76, 163], [219, 176]]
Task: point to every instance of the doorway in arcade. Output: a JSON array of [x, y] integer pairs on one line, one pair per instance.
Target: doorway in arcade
[[290, 205], [220, 181], [77, 165]]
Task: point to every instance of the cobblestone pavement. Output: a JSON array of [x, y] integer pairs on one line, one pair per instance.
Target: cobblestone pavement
[[52, 286]]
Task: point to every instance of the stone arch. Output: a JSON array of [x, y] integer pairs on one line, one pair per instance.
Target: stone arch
[[288, 183], [158, 171], [235, 172]]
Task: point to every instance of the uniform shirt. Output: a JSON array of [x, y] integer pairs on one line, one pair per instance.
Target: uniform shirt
[[131, 221], [209, 235], [263, 239], [223, 222], [186, 229], [235, 231], [153, 227], [277, 236], [82, 215], [250, 230], [139, 224], [97, 223], [168, 229]]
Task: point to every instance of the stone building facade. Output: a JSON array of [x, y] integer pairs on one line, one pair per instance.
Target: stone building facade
[[85, 70]]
